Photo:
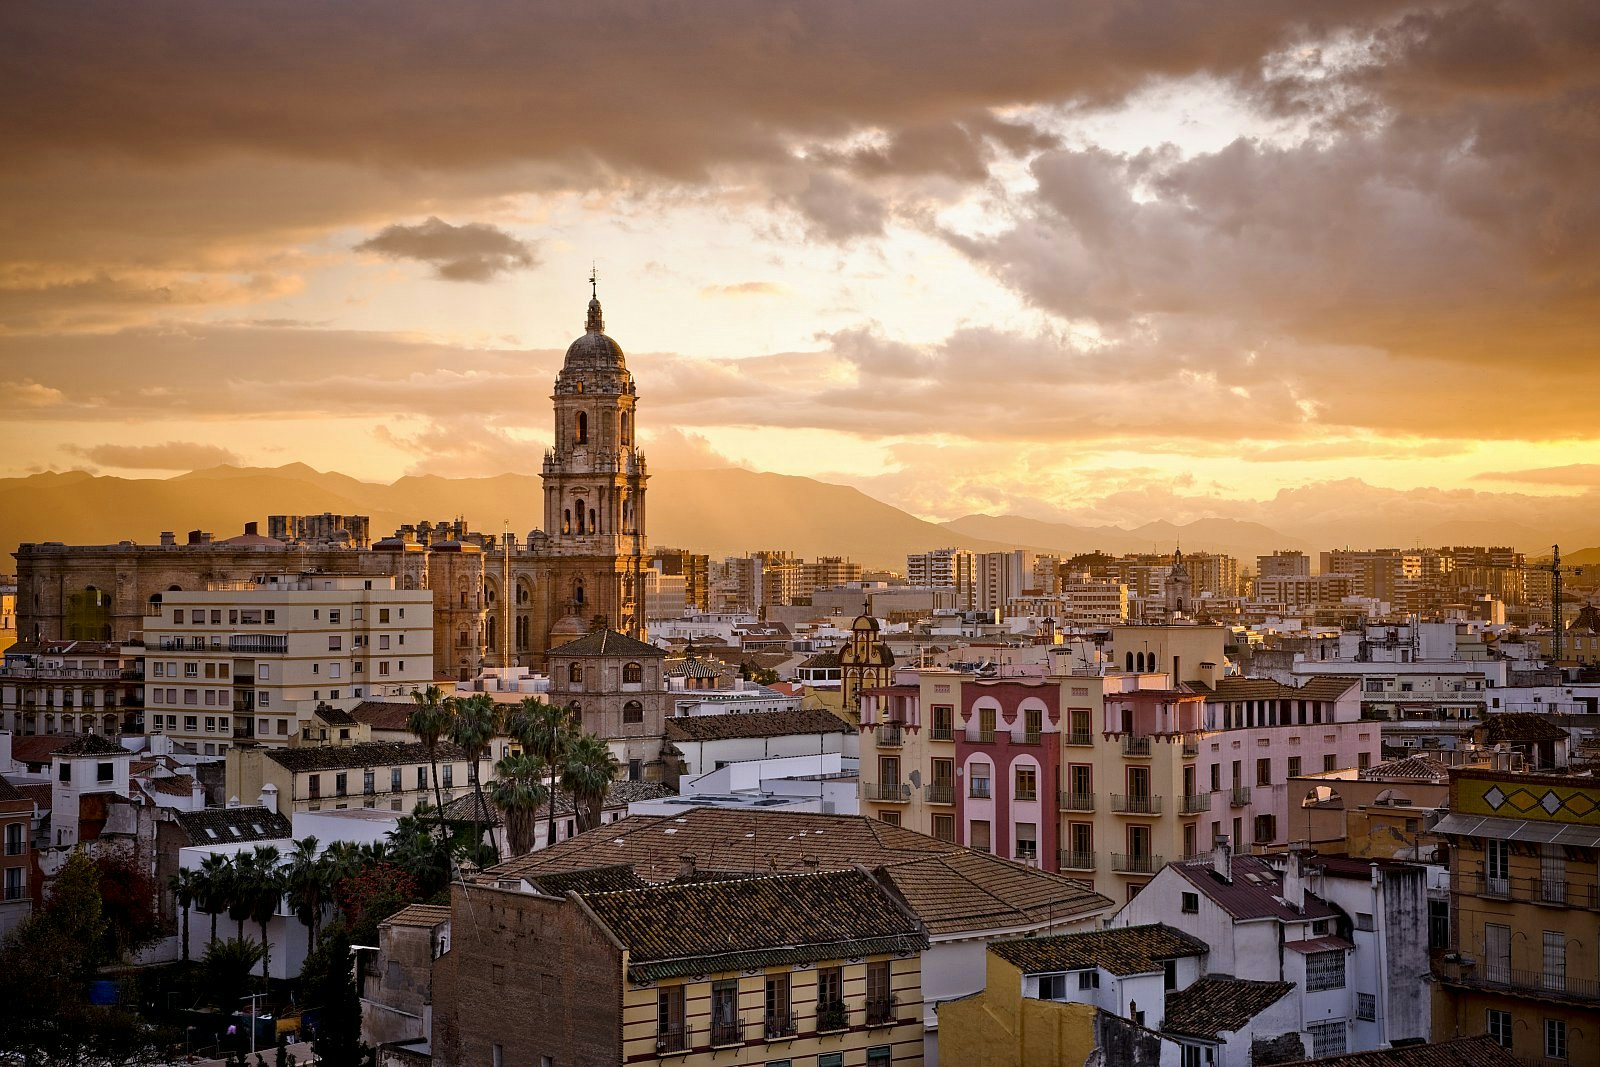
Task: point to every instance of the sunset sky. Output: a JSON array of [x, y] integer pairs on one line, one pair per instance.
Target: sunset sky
[[1105, 262]]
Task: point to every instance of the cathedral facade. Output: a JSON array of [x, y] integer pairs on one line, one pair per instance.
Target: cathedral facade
[[498, 600]]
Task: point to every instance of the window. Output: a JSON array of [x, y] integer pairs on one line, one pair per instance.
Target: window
[[177, 615], [633, 711], [1366, 1007], [1497, 867], [831, 1012], [978, 780], [1294, 766], [422, 777], [383, 615], [263, 699], [978, 837], [65, 773], [779, 1020], [1364, 921], [944, 828], [1363, 760], [1438, 924], [985, 724], [369, 782], [191, 722], [1498, 1024], [574, 674], [880, 1001], [1190, 1056], [14, 887], [1324, 970], [943, 722], [1327, 1039], [1052, 987], [1555, 960], [395, 781], [104, 772], [14, 839], [1263, 772], [725, 1028], [1089, 979], [635, 770], [448, 774], [1330, 762], [340, 784], [670, 1035], [314, 786], [1027, 783], [632, 673], [1266, 829], [191, 670], [1555, 1039], [1027, 841], [1191, 903], [831, 1059], [879, 1056]]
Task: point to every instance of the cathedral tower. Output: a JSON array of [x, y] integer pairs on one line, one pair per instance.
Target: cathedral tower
[[594, 490]]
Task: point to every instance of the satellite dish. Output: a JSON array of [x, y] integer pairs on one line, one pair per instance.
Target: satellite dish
[[916, 779]]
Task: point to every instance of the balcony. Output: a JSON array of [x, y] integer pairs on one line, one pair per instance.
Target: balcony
[[890, 735], [832, 1017], [985, 737], [1136, 864], [1477, 974], [1194, 803], [244, 703], [1239, 796], [1075, 861], [1135, 746], [1533, 890], [880, 1011], [778, 1027], [886, 792], [1191, 749], [1078, 738], [727, 1033], [1032, 737], [243, 729], [1135, 804], [257, 643], [672, 1039], [1075, 801], [939, 792]]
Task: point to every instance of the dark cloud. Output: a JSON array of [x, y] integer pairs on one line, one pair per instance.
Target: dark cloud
[[167, 456], [471, 252]]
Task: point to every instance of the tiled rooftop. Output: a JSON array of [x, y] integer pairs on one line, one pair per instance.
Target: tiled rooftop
[[383, 714], [91, 745], [1255, 892], [212, 826], [1320, 687], [419, 915], [755, 724], [737, 924], [1412, 768], [952, 888], [1122, 950], [1481, 1051], [366, 754], [1216, 1005], [606, 643], [38, 748], [1520, 726]]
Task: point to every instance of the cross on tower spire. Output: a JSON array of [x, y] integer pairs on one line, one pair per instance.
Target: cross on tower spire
[[595, 323]]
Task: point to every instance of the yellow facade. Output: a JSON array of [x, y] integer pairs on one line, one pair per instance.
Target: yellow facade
[[999, 1027], [1525, 915], [867, 1025]]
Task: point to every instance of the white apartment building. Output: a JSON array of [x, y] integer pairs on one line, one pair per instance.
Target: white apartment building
[[946, 568], [251, 660]]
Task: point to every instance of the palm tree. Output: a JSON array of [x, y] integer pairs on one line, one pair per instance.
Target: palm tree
[[430, 720], [264, 892], [227, 970], [545, 731], [185, 886], [240, 878], [518, 790], [474, 727], [587, 774], [212, 898], [307, 880]]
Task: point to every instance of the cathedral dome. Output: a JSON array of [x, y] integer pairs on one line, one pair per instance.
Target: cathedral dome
[[594, 351]]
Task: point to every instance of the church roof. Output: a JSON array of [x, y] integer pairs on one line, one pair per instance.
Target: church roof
[[594, 351], [606, 643]]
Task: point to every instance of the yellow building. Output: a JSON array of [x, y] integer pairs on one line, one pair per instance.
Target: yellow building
[[599, 967], [1524, 965]]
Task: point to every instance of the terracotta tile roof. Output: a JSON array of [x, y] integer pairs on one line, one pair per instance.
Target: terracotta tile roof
[[606, 643], [1122, 950], [366, 754], [1318, 687], [176, 785], [951, 888], [1255, 892], [1217, 1005], [334, 716], [1412, 768], [9, 792], [755, 724], [822, 660], [38, 792], [738, 924], [94, 745], [215, 825], [595, 880], [1520, 726], [38, 748], [419, 915], [383, 714], [1317, 944], [1481, 1051], [696, 667]]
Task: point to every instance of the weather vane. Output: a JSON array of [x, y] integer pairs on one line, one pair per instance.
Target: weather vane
[[594, 280]]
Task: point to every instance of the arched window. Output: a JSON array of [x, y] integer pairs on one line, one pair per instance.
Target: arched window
[[580, 518], [577, 593], [627, 429], [594, 527], [490, 633], [632, 672], [633, 711], [574, 673], [488, 593], [582, 428], [566, 520], [1129, 667], [461, 639]]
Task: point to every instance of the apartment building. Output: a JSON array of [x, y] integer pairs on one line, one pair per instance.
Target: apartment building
[[71, 687], [390, 775], [946, 568], [1523, 964], [250, 660], [18, 879]]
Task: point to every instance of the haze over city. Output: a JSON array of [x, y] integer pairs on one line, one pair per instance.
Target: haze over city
[[1093, 263]]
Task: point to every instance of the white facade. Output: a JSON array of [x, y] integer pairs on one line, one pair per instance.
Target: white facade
[[251, 660]]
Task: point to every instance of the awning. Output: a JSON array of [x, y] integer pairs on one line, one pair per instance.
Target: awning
[[1502, 829], [1318, 944]]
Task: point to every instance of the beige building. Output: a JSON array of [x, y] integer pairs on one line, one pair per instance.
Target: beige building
[[249, 661], [618, 687], [372, 774]]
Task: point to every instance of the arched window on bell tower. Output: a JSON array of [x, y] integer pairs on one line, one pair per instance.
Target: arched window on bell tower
[[627, 429], [581, 429]]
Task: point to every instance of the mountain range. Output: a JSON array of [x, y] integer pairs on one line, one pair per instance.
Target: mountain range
[[722, 512]]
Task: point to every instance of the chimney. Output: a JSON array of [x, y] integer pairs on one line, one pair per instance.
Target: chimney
[[1208, 675], [1222, 859], [250, 529], [269, 797], [194, 537], [168, 538], [686, 865], [1294, 883]]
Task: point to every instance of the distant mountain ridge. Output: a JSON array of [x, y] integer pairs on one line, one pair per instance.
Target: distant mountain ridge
[[722, 512]]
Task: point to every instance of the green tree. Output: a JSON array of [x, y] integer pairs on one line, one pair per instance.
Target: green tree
[[185, 886], [476, 722], [227, 966], [587, 773], [544, 731], [265, 892], [128, 904], [328, 987], [214, 878], [430, 721], [241, 906], [518, 790]]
